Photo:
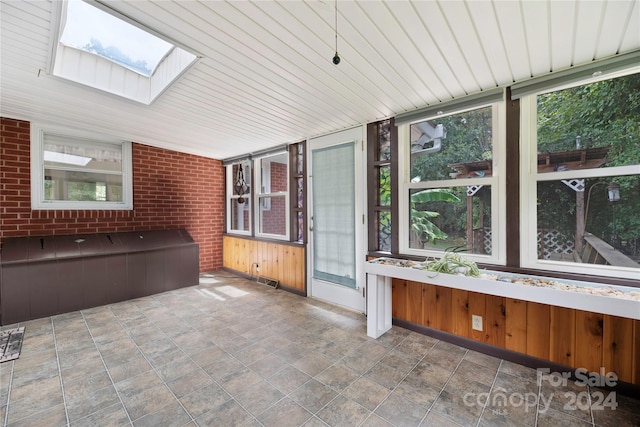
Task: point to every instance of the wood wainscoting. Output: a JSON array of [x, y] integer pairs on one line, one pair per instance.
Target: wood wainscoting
[[570, 337], [284, 262]]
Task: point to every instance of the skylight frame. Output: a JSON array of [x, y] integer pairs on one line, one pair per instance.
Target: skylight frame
[[87, 68], [89, 22]]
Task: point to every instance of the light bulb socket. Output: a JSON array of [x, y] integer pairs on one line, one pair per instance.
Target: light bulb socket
[[336, 58]]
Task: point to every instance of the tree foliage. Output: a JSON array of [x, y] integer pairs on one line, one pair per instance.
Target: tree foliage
[[116, 55], [603, 114]]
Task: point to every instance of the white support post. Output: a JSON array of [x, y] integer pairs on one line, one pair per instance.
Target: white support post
[[378, 305]]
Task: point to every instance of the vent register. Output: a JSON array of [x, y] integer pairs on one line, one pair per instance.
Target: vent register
[[97, 47]]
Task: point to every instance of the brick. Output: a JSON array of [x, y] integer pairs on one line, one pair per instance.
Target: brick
[[187, 191]]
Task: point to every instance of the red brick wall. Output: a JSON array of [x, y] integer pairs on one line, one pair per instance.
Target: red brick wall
[[170, 190]]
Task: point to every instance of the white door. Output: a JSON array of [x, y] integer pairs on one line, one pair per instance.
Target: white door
[[336, 223]]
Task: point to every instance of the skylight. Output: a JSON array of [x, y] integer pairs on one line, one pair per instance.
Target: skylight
[[105, 51], [95, 31]]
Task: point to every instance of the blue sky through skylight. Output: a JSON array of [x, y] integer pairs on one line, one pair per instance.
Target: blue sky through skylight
[[95, 31]]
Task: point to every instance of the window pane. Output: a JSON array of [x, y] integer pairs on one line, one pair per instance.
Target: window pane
[[273, 218], [456, 218], [574, 215], [300, 228], [384, 140], [70, 153], [82, 186], [300, 158], [384, 186], [590, 126], [300, 191], [384, 231], [239, 215], [457, 146], [274, 174], [241, 174]]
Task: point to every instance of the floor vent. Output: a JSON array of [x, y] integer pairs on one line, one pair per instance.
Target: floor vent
[[268, 281]]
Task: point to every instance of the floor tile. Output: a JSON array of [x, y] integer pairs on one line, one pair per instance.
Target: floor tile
[[285, 413], [337, 377], [312, 363], [437, 420], [266, 357], [86, 404], [288, 379], [202, 400], [53, 416], [172, 415], [401, 412], [343, 412], [258, 397], [229, 413], [553, 418], [366, 392], [111, 416], [313, 395], [185, 384]]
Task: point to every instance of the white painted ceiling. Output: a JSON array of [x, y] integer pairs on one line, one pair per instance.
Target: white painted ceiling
[[266, 77]]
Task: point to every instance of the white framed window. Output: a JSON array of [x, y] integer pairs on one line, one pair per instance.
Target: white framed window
[[580, 177], [452, 178], [77, 170], [272, 199], [239, 196]]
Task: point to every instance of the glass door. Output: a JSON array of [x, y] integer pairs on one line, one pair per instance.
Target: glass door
[[336, 226]]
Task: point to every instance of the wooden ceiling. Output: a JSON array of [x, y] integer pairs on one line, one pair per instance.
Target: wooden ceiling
[[266, 75]]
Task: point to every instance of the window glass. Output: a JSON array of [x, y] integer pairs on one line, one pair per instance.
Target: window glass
[[383, 226], [82, 186], [451, 219], [298, 195], [384, 140], [272, 215], [239, 219], [456, 146], [589, 126], [78, 172], [380, 218], [587, 180], [384, 186], [239, 175], [451, 191], [299, 229], [272, 210]]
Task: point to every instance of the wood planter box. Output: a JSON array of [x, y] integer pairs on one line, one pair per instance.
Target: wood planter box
[[568, 328]]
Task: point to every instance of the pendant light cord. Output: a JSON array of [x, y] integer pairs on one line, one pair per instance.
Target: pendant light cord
[[336, 57], [336, 26]]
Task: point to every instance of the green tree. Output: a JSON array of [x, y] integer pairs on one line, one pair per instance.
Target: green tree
[[421, 218], [603, 114]]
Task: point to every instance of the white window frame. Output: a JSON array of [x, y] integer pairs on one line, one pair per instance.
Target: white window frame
[[233, 198], [529, 178], [37, 171], [262, 198], [496, 181]]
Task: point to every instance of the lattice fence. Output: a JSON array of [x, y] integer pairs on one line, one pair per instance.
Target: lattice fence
[[552, 242]]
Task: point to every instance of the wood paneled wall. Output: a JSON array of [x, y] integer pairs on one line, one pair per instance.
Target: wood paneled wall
[[281, 261], [574, 338]]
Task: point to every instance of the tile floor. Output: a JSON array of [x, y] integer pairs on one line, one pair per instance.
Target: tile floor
[[233, 352]]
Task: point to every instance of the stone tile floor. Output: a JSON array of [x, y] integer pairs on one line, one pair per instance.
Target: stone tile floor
[[233, 352]]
